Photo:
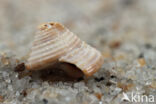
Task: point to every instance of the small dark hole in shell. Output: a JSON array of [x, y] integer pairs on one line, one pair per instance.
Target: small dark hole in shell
[[51, 24]]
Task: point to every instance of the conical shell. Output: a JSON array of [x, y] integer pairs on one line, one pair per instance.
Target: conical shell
[[55, 43]]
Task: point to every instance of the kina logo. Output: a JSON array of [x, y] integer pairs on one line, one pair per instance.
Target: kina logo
[[136, 97]]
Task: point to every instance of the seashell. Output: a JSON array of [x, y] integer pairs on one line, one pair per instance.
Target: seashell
[[54, 44]]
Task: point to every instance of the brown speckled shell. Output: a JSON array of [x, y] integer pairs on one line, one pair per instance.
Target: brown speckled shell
[[55, 43]]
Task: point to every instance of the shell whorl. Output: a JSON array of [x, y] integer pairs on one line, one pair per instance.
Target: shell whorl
[[55, 43]]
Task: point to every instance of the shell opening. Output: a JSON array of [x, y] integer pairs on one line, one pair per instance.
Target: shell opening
[[71, 69], [65, 68]]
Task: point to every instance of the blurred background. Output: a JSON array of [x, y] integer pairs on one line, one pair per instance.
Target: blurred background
[[123, 30], [98, 22]]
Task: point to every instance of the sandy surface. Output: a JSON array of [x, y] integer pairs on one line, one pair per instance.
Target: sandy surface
[[123, 30]]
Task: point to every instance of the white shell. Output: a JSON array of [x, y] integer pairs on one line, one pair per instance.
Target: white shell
[[55, 43]]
